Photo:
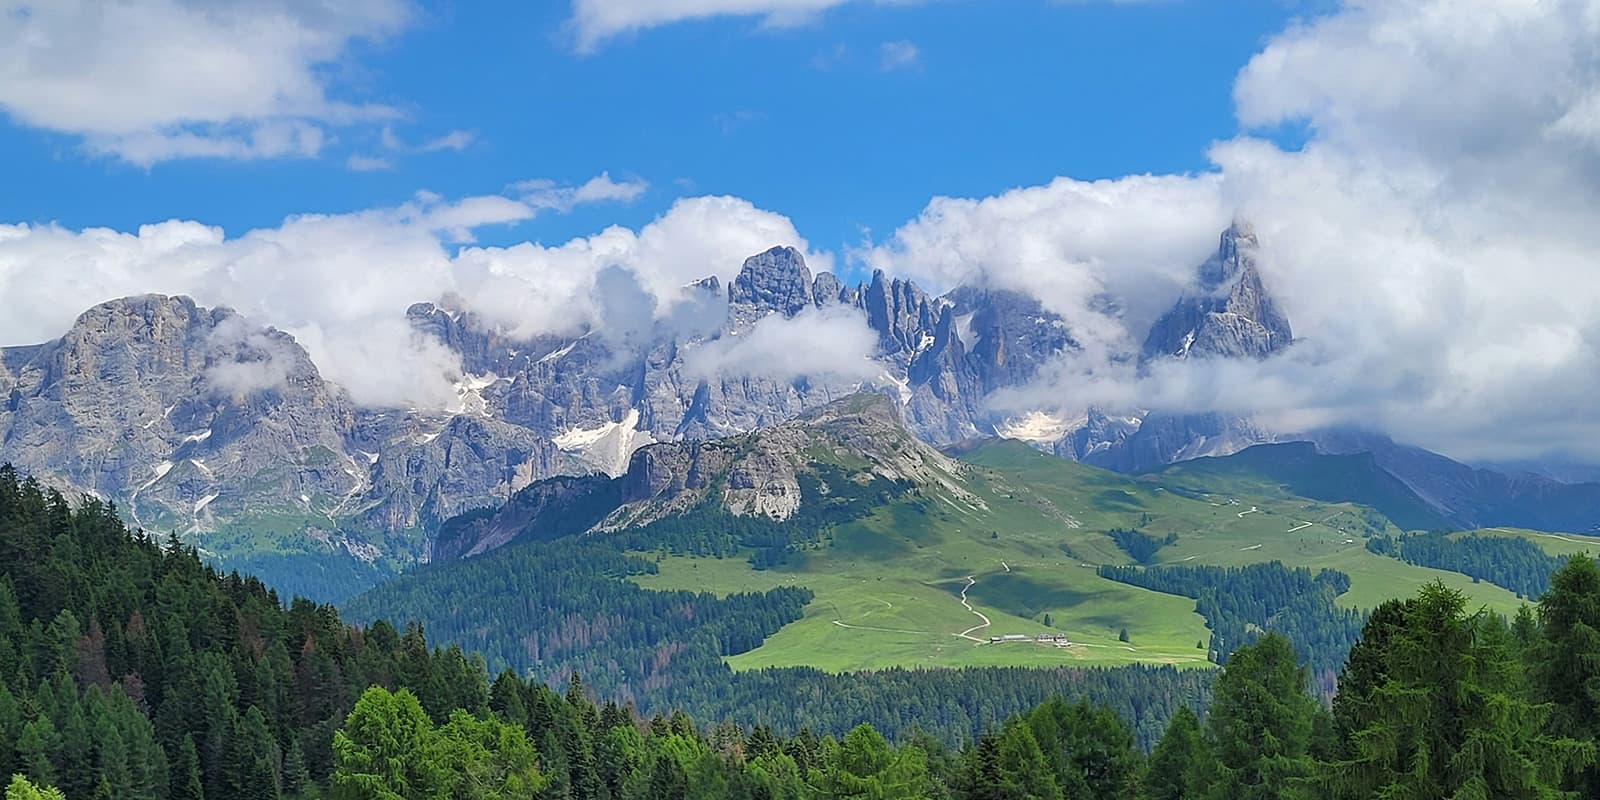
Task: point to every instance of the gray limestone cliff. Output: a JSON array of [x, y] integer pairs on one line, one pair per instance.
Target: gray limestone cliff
[[199, 421], [1228, 314], [759, 474]]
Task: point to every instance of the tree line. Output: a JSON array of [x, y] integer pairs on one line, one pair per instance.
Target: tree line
[[1240, 604], [1435, 700], [131, 669], [1141, 546], [1506, 561]]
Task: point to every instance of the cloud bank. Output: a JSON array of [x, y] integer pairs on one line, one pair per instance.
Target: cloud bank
[[1433, 239], [830, 342], [341, 283], [152, 80]]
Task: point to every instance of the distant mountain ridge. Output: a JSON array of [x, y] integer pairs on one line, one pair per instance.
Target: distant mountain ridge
[[199, 421], [769, 474], [192, 419], [1302, 470]]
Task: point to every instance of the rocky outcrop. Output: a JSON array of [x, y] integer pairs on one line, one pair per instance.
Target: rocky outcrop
[[776, 280], [549, 509], [1229, 314], [1226, 314], [760, 474], [193, 418], [901, 313], [826, 290]]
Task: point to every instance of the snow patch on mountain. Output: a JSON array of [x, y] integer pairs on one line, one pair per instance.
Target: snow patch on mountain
[[606, 447], [1038, 426]]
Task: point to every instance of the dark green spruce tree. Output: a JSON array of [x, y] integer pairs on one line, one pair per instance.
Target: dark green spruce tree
[[1446, 713]]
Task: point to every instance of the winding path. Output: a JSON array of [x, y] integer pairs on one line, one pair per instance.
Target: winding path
[[886, 604], [881, 630], [967, 634]]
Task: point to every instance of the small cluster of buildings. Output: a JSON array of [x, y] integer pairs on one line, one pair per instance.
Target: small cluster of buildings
[[1057, 639]]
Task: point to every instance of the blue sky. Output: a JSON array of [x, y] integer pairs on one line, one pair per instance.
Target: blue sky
[[847, 121], [1424, 177]]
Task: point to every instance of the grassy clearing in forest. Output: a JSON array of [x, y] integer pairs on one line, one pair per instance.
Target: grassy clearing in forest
[[888, 586]]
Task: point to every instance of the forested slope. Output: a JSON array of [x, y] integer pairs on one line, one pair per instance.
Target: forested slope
[[129, 669]]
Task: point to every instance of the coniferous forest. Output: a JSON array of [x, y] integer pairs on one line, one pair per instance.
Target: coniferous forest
[[131, 669]]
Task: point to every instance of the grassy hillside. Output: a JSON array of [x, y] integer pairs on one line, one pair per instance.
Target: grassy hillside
[[1297, 469], [1556, 544], [889, 586]]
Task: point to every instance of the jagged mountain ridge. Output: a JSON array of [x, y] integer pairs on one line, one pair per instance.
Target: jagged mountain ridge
[[758, 474], [1230, 314], [1473, 497], [284, 446], [599, 398], [192, 419]]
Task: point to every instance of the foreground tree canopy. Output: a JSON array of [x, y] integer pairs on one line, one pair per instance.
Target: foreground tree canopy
[[129, 669]]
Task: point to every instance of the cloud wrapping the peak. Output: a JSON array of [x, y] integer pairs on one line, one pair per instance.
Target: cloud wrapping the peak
[[1433, 241], [828, 342], [1071, 244], [341, 283], [530, 288]]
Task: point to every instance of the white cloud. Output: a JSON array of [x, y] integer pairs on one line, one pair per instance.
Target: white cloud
[[830, 342], [1071, 244], [898, 55], [545, 193], [341, 283], [152, 80], [594, 21], [361, 163], [457, 140]]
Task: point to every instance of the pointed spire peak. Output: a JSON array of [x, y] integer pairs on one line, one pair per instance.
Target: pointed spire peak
[[776, 279], [1235, 256], [779, 255], [1241, 230]]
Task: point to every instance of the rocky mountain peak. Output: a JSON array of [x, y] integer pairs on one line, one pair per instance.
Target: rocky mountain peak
[[157, 330], [901, 312], [1230, 314], [777, 280], [856, 439], [866, 409], [1235, 256], [827, 290], [1008, 335]]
